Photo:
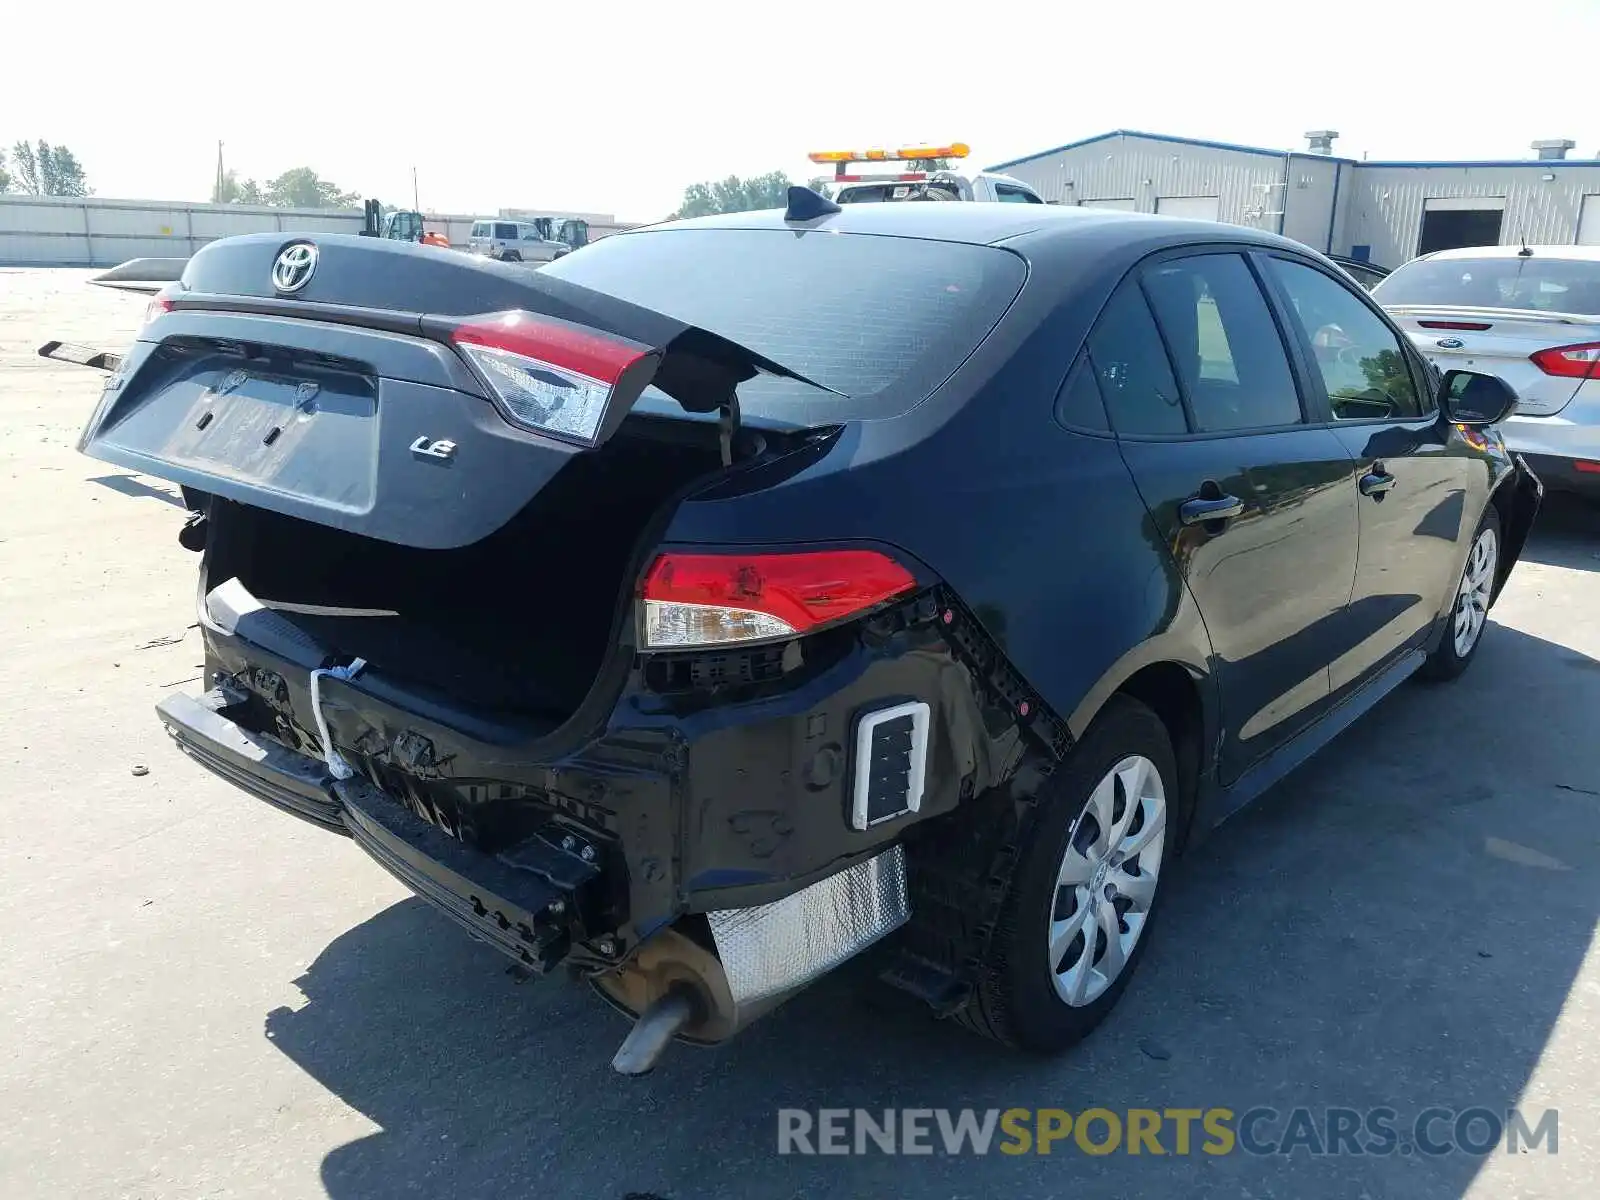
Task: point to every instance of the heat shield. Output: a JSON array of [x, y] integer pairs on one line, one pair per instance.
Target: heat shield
[[775, 948]]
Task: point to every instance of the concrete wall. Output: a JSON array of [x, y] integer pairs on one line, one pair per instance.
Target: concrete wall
[[97, 232], [51, 230]]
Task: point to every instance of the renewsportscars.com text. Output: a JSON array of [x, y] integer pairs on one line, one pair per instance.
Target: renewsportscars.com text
[[1167, 1131]]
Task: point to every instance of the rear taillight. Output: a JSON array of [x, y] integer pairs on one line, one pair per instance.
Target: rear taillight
[[713, 599], [1472, 326], [550, 376], [1570, 362], [160, 304]]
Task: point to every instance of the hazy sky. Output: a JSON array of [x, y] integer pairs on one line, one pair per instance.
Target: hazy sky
[[616, 107]]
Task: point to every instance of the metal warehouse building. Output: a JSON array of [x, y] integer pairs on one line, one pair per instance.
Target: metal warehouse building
[[1382, 212]]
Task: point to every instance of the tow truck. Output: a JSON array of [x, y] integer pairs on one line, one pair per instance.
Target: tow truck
[[908, 183]]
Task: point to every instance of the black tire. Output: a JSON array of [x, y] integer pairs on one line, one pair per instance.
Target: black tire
[[1447, 662], [513, 256], [1016, 1001]]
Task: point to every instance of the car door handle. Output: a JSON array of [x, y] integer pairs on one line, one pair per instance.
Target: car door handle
[[1376, 483], [1198, 510]]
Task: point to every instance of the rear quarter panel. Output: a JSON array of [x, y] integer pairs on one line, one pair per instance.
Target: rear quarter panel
[[1038, 528]]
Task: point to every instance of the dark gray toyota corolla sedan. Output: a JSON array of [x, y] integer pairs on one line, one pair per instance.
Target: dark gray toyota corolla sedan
[[735, 594]]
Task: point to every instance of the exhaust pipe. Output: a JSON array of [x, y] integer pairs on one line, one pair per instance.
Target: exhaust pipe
[[677, 988], [674, 989], [656, 1027]]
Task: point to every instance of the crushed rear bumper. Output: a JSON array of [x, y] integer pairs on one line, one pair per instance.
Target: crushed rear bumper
[[293, 782], [518, 911], [678, 824], [521, 901]]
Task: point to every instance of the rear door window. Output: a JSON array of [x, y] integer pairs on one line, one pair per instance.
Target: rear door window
[[881, 320], [1130, 364], [1367, 373], [1015, 195], [1221, 334]]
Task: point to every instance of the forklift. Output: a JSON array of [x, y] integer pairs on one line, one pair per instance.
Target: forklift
[[571, 232], [399, 226]]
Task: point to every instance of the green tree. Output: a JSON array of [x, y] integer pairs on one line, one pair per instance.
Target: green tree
[[697, 202], [301, 187], [733, 194], [767, 191], [63, 173], [46, 170], [232, 191], [27, 169], [929, 165], [1386, 374], [822, 185], [5, 175]]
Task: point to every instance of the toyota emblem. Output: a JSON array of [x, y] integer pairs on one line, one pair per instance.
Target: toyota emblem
[[294, 267]]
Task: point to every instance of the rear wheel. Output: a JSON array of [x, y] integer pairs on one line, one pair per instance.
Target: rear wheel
[[1086, 888], [1474, 591]]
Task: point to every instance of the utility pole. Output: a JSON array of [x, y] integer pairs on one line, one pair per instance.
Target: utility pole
[[216, 191], [415, 203]]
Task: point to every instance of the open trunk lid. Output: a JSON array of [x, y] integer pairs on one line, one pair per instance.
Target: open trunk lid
[[391, 390]]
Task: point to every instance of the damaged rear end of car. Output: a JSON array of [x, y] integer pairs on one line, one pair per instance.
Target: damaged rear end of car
[[448, 610]]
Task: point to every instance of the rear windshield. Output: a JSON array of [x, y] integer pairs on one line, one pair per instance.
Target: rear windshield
[[882, 193], [881, 320], [1534, 284]]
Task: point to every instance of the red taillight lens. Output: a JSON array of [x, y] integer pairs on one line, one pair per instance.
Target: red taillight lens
[[708, 599], [551, 376], [159, 304], [1587, 467], [1473, 326], [1570, 362]]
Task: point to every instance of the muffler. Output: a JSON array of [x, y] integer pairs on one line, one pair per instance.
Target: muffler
[[680, 991]]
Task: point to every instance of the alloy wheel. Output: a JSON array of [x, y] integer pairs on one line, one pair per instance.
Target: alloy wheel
[[1107, 880], [1477, 585]]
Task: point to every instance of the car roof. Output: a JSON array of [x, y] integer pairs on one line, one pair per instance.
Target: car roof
[[1581, 253], [992, 224]]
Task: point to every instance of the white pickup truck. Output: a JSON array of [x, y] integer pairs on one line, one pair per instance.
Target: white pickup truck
[[909, 183]]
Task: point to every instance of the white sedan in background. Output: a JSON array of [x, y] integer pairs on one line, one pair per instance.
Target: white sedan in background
[[1531, 315]]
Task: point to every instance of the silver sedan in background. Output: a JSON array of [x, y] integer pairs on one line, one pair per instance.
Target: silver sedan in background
[[1531, 315]]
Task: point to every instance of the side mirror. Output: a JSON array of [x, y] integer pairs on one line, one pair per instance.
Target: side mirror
[[1468, 398]]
